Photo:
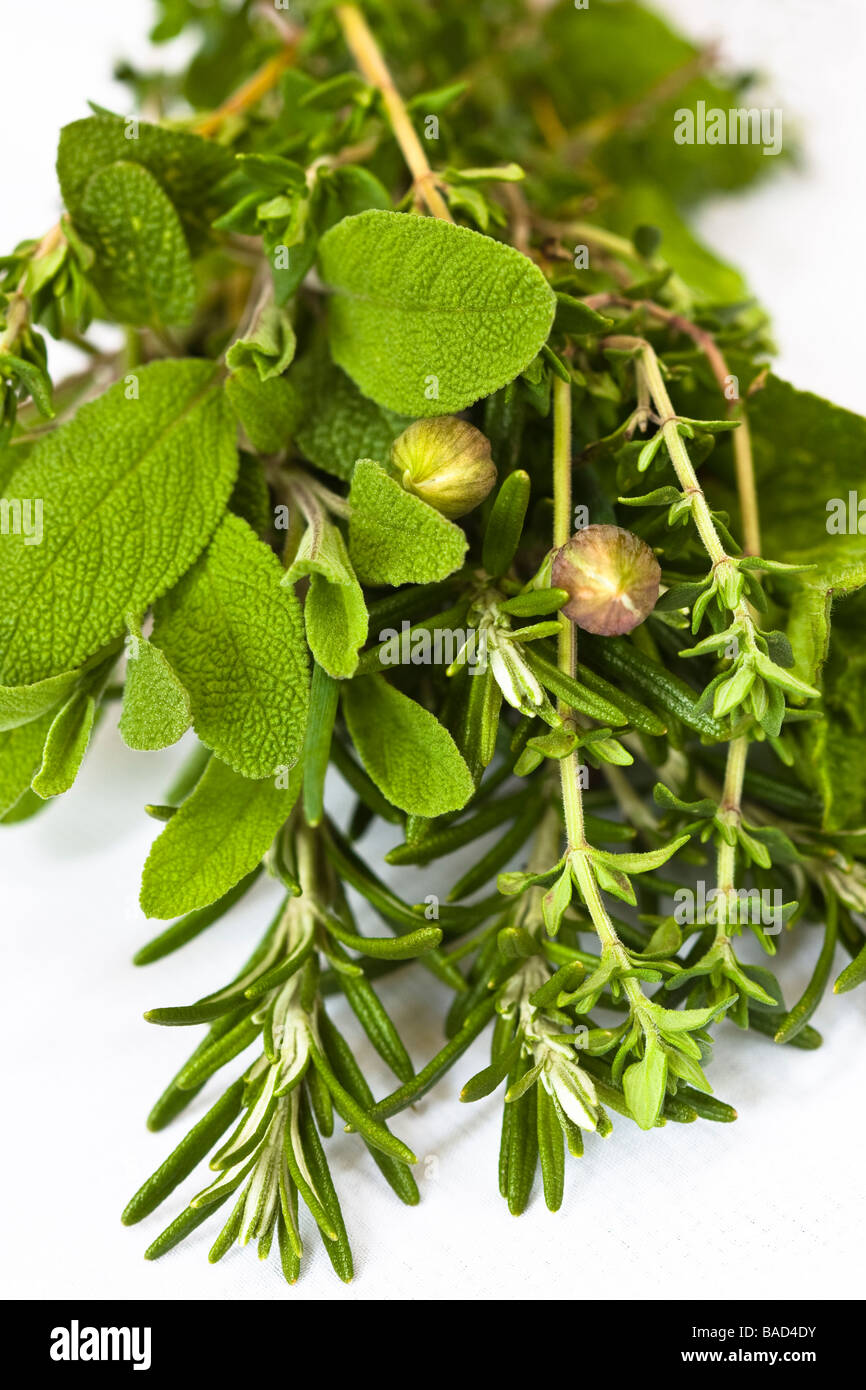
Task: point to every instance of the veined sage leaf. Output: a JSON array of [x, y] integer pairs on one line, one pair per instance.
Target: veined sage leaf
[[234, 636], [217, 837], [411, 758], [426, 317], [396, 538], [131, 491], [156, 708], [143, 268]]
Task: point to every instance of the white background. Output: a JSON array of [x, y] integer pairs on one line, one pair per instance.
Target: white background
[[769, 1207]]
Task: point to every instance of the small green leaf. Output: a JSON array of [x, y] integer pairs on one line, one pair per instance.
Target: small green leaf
[[556, 900], [20, 758], [408, 754], [66, 744], [640, 863], [218, 836], [268, 408], [644, 1085], [156, 708], [396, 538], [335, 613], [269, 347], [505, 525]]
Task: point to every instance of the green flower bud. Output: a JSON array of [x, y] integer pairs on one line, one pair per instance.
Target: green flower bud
[[611, 577], [446, 462]]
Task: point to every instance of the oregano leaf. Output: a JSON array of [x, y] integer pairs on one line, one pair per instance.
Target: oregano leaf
[[234, 636], [426, 317], [644, 1085]]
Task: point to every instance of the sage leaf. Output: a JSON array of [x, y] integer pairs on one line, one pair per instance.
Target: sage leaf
[[396, 538], [218, 836], [408, 754], [66, 744], [335, 612], [156, 707], [426, 317], [268, 408], [20, 757], [143, 268], [21, 703], [338, 424], [132, 489], [234, 636], [186, 167]]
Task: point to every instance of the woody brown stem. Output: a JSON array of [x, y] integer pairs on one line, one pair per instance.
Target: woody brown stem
[[372, 65]]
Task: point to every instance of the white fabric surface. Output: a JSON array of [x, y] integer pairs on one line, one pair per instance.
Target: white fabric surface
[[770, 1207]]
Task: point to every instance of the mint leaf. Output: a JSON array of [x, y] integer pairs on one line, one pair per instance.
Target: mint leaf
[[156, 708], [131, 492], [426, 316], [267, 408], [235, 638], [217, 837], [143, 268], [396, 538], [335, 613], [410, 756], [339, 425], [20, 758]]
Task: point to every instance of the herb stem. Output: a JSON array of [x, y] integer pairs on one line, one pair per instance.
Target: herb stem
[[572, 798], [679, 456], [732, 795], [746, 489], [738, 748], [251, 91], [567, 641], [372, 65]]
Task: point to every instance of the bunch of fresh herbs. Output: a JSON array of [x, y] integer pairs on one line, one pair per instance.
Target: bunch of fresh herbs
[[441, 453]]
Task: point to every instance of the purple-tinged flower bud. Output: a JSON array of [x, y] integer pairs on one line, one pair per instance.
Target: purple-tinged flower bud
[[446, 462], [611, 577]]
